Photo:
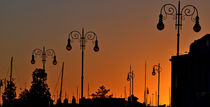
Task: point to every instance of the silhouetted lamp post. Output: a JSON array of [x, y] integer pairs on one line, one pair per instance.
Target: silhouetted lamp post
[[83, 37], [43, 54], [157, 68], [130, 78], [179, 14]]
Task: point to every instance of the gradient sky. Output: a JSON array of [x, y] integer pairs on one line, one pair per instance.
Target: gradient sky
[[126, 33]]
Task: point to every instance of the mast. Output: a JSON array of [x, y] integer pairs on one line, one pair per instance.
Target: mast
[[11, 70], [65, 95], [156, 98], [77, 94], [152, 99], [125, 92], [145, 92], [150, 103], [88, 91], [130, 82], [61, 81]]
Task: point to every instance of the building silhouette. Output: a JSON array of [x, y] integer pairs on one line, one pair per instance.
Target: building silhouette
[[101, 98], [190, 85]]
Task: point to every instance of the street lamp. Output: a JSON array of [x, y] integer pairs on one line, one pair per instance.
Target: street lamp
[[130, 78], [157, 68], [43, 54], [179, 14], [83, 37]]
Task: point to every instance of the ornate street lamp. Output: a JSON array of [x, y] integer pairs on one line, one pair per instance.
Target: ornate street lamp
[[179, 14], [83, 37], [157, 68], [43, 54], [130, 78]]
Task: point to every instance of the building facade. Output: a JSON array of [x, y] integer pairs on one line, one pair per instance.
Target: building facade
[[190, 84]]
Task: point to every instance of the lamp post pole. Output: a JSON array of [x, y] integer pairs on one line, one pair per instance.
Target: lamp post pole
[[82, 77], [43, 54], [157, 68], [179, 14], [83, 37], [130, 78]]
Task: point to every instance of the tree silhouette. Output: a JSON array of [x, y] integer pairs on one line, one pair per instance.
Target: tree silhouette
[[102, 93], [9, 94], [23, 97], [39, 94]]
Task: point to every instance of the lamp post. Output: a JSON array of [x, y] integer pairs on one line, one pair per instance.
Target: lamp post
[[83, 37], [130, 78], [157, 68], [43, 54], [179, 14]]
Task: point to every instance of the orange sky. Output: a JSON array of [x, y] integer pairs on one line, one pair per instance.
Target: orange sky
[[126, 33]]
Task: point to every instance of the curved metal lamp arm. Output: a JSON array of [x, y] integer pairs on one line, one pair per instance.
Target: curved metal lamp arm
[[75, 34], [37, 51], [90, 35], [156, 67], [168, 9], [131, 74], [50, 52], [189, 10]]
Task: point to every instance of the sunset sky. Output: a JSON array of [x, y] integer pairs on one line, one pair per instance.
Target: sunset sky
[[126, 32]]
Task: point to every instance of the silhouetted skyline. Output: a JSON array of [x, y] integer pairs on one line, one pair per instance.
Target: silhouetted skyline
[[126, 31]]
